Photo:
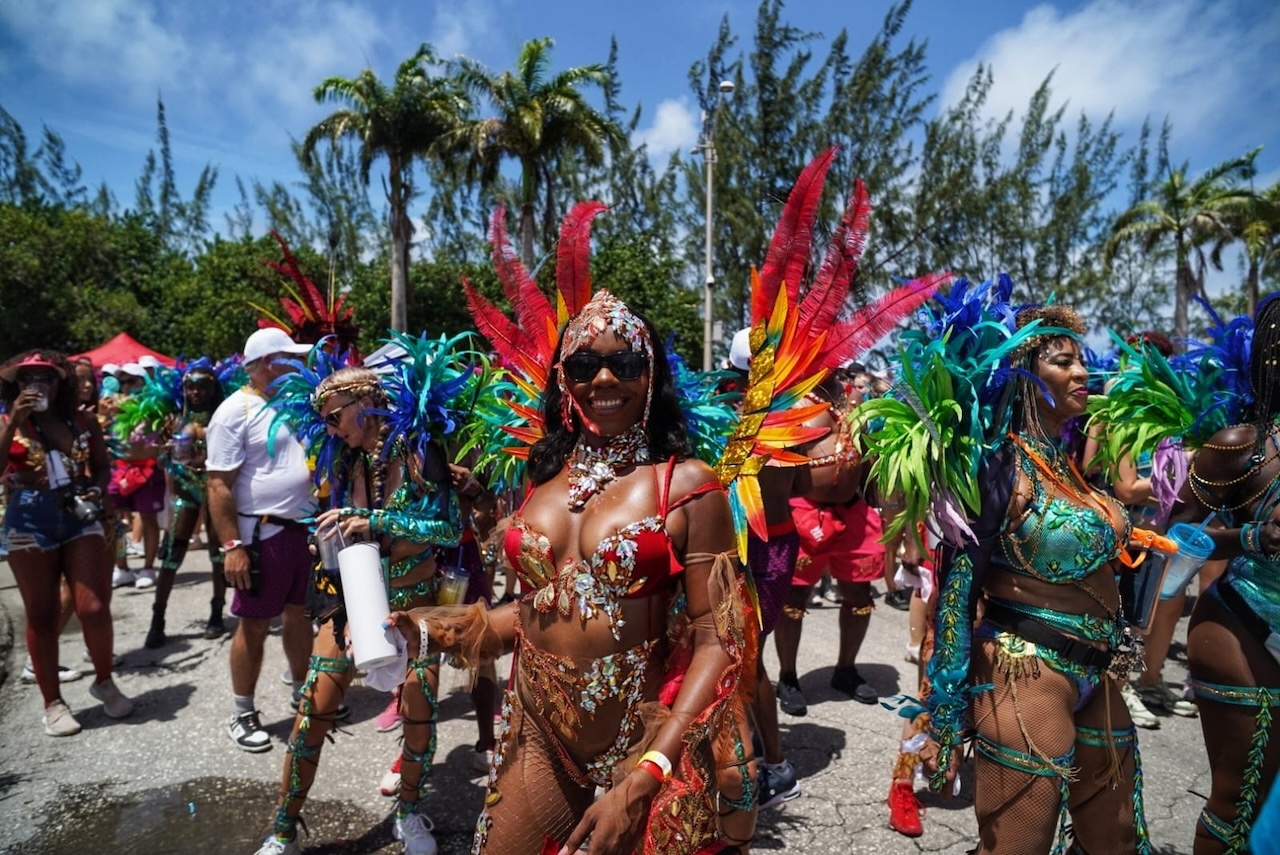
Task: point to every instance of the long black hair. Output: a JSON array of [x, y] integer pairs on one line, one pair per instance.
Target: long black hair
[[1264, 359], [68, 399], [667, 431]]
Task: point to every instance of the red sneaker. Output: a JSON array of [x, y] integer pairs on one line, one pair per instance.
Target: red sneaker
[[390, 783], [904, 809]]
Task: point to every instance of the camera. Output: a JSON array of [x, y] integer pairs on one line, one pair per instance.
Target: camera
[[83, 507]]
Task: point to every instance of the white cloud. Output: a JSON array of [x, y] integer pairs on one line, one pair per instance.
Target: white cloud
[[462, 27], [675, 126], [1195, 61]]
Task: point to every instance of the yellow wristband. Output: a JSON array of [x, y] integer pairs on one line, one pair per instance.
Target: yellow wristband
[[660, 760]]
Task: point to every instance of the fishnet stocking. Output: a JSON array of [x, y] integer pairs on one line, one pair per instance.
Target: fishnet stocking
[[532, 797], [1032, 716]]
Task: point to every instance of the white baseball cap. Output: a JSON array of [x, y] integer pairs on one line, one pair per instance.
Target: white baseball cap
[[148, 361], [110, 368], [740, 350], [269, 340], [133, 369]]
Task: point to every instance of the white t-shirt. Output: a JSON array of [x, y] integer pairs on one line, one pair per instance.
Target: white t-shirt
[[278, 484]]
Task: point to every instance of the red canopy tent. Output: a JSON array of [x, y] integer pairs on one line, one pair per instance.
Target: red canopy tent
[[121, 349]]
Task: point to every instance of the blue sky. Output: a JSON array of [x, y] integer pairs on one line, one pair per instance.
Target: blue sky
[[237, 76]]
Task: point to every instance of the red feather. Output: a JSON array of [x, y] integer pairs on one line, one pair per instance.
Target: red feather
[[573, 255], [821, 306], [792, 237], [531, 306], [313, 307], [503, 333], [855, 336]]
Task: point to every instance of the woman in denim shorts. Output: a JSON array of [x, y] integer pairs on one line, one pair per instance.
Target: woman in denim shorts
[[55, 467]]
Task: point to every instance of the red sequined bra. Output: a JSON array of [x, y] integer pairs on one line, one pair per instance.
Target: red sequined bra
[[635, 561]]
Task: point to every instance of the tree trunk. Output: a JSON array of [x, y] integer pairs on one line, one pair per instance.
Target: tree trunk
[[1181, 298], [527, 226], [401, 232], [1252, 281], [528, 220]]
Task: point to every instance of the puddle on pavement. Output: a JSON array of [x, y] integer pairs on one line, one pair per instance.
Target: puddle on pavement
[[206, 815]]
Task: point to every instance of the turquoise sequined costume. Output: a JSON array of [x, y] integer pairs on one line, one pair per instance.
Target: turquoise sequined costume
[[1061, 539], [1251, 584]]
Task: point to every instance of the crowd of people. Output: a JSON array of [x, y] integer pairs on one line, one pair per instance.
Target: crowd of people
[[647, 565]]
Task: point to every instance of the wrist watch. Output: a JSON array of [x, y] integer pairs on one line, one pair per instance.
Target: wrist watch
[[230, 545]]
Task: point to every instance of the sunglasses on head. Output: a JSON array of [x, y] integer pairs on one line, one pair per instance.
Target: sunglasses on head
[[584, 365], [334, 416]]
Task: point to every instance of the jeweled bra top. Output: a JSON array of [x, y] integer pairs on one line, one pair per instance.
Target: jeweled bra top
[[1062, 538], [636, 561]]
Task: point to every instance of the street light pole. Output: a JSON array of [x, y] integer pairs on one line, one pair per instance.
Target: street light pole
[[709, 153]]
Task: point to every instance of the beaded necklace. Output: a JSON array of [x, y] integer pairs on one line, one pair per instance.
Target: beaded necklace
[[591, 468], [1200, 486], [1058, 475]]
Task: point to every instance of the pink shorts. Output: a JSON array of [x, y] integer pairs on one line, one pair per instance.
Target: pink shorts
[[855, 555]]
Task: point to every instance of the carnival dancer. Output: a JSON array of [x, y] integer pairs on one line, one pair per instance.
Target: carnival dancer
[[389, 482], [1035, 678], [175, 405], [1231, 646]]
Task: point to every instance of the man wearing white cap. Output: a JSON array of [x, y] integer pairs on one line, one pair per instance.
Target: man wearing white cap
[[259, 491], [148, 363]]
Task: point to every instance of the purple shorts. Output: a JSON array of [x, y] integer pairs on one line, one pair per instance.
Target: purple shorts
[[772, 564], [147, 499], [286, 572]]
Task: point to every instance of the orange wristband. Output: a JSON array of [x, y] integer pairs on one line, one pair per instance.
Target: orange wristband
[[653, 769]]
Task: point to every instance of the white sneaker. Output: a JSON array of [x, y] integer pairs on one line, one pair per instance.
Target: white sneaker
[[58, 720], [135, 550], [390, 783], [1142, 717], [122, 577], [414, 831], [913, 654], [65, 674], [275, 846], [145, 578], [114, 703]]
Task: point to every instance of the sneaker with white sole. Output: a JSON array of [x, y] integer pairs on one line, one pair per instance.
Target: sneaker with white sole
[[135, 550], [414, 830], [114, 703], [778, 784], [1160, 696], [390, 783], [123, 578], [247, 733], [145, 578], [1142, 717], [65, 674], [275, 846], [58, 720]]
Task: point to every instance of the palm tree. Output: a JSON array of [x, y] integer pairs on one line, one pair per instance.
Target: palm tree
[[1192, 214], [538, 119], [416, 116], [1258, 228]]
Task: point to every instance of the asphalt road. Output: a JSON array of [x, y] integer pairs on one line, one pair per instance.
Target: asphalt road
[[168, 779]]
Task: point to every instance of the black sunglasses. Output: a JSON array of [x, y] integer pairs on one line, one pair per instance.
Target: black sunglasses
[[334, 417], [584, 365]]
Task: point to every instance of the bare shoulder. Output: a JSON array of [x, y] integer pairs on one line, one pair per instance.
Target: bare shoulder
[[688, 476]]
